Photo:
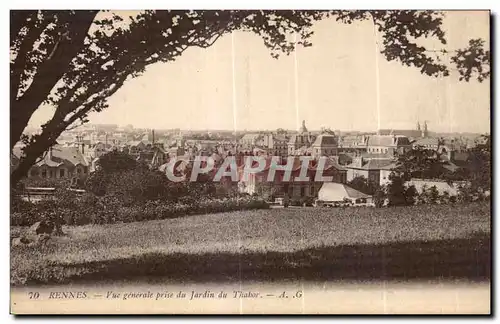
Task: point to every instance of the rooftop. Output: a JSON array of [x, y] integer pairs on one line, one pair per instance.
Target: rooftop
[[325, 140]]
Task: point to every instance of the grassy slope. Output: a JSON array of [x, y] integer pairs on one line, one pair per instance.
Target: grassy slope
[[272, 244]]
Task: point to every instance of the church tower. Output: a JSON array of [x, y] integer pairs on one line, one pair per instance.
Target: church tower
[[424, 131], [303, 129], [418, 126]]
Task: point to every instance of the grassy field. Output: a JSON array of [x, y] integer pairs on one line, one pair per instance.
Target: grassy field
[[294, 243]]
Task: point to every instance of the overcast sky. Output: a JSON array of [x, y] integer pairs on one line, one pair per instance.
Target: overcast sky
[[336, 81]]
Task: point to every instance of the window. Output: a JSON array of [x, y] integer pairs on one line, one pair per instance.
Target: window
[[44, 173], [302, 191], [61, 173], [78, 170]]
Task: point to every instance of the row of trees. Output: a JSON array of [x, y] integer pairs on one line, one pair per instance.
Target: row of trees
[[398, 193], [132, 182], [74, 60]]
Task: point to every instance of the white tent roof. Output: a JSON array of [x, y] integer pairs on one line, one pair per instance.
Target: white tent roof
[[332, 191]]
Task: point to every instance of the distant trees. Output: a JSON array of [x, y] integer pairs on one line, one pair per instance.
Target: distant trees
[[426, 163], [474, 176], [422, 163]]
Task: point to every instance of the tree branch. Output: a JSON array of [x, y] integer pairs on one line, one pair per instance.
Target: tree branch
[[17, 67]]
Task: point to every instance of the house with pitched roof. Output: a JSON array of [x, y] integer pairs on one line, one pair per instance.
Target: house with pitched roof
[[375, 170], [325, 145], [59, 162], [353, 143]]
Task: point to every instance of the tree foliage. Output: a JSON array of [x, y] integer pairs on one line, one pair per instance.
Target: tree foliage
[[422, 163], [396, 190], [364, 185], [116, 161], [130, 182], [480, 164], [74, 61]]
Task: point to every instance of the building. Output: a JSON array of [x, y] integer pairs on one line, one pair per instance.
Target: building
[[325, 145], [277, 144], [374, 170], [302, 139], [252, 140], [176, 151], [388, 144], [59, 162], [135, 148], [257, 183], [353, 143], [412, 134]]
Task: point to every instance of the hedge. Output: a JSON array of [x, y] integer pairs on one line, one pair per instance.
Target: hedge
[[106, 210]]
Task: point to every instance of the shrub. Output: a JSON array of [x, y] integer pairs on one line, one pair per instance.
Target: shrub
[[364, 185], [411, 194], [379, 197], [108, 209], [396, 190]]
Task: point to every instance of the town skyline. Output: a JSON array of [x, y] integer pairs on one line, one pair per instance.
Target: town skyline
[[311, 129]]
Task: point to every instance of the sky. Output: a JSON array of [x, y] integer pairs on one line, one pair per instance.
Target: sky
[[339, 82]]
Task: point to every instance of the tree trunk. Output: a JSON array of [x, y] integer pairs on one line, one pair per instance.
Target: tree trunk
[[22, 169], [34, 151], [49, 73]]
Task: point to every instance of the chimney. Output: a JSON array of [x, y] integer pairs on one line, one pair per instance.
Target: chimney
[[83, 148], [153, 134], [49, 153]]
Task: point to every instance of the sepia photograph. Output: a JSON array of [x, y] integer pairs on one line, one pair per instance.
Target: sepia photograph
[[250, 162]]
